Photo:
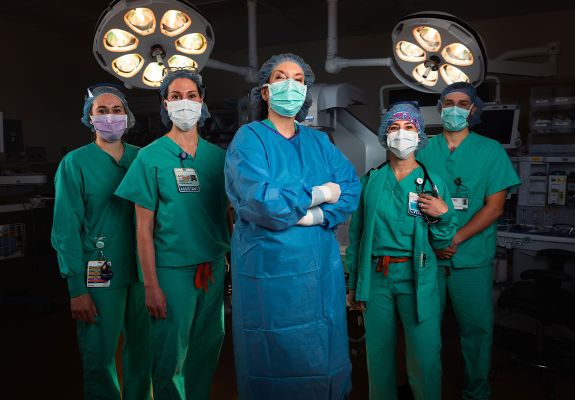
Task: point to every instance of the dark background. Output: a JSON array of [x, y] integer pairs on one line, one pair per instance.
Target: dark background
[[47, 64]]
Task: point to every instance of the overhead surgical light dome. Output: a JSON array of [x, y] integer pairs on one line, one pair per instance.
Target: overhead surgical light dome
[[434, 49], [136, 40]]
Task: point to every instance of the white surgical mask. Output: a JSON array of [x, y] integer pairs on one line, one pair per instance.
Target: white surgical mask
[[184, 113], [402, 143]]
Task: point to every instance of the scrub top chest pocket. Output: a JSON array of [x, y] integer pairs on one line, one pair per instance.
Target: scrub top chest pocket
[[187, 180]]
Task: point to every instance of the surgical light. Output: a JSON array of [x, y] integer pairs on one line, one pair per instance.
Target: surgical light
[[193, 43], [153, 74], [427, 37], [141, 20], [128, 65], [434, 49], [179, 61], [453, 74], [117, 40], [457, 54], [425, 75], [136, 40], [409, 52], [175, 22]]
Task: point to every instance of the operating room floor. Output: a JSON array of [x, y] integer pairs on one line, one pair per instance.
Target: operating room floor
[[40, 357]]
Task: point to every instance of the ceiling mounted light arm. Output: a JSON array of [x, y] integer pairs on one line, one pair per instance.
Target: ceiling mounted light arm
[[158, 54], [502, 64], [250, 73], [247, 72], [333, 63]]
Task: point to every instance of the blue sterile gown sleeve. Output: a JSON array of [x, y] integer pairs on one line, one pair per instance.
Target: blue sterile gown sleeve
[[289, 328]]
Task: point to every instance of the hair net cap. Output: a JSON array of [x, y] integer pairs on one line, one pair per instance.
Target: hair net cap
[[265, 72], [402, 111], [91, 96], [469, 90], [186, 74]]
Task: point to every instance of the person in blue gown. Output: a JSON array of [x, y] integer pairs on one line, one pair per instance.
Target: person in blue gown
[[290, 188]]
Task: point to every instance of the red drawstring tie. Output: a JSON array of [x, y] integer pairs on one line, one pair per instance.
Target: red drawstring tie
[[384, 261], [204, 273]]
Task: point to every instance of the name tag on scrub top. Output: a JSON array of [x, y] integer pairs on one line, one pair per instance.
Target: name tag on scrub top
[[460, 203], [413, 205], [94, 275], [187, 180]]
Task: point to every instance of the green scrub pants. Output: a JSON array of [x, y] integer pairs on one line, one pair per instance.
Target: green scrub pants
[[186, 345], [120, 310], [470, 291], [389, 297]]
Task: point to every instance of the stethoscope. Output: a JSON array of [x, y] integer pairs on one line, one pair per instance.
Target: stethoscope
[[420, 184], [420, 188]]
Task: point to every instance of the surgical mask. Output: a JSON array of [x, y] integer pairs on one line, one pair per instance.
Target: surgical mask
[[402, 143], [110, 127], [286, 97], [454, 118], [184, 113]]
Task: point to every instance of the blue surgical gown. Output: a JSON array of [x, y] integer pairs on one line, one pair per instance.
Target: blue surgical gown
[[289, 325]]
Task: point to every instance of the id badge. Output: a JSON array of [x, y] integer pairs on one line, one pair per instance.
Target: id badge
[[187, 180], [93, 276], [460, 203], [413, 206]]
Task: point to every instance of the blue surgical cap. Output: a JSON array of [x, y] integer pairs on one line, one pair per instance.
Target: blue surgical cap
[[267, 69], [98, 90], [402, 111], [168, 79], [469, 90]]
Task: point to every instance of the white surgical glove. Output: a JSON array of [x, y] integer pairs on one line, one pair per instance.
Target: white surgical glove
[[314, 216], [327, 193]]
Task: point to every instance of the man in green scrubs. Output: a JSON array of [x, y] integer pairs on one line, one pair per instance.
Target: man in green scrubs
[[177, 185], [478, 174], [93, 227]]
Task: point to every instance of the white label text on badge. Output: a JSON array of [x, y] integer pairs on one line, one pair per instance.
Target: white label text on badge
[[460, 203], [413, 206], [93, 275], [187, 180]]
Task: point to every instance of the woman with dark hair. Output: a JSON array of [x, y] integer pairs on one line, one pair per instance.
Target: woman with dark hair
[[93, 235], [177, 185], [405, 212], [290, 188]]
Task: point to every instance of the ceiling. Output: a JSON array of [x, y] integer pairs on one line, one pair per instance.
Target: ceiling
[[279, 21]]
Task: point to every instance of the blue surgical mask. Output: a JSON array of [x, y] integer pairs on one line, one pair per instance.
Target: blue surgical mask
[[454, 118], [286, 97]]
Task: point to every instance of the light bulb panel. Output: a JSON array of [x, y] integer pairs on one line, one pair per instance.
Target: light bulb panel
[[115, 17], [451, 60]]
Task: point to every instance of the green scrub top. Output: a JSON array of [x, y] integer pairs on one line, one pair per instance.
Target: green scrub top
[[393, 230], [426, 237], [482, 168], [86, 209], [190, 227]]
